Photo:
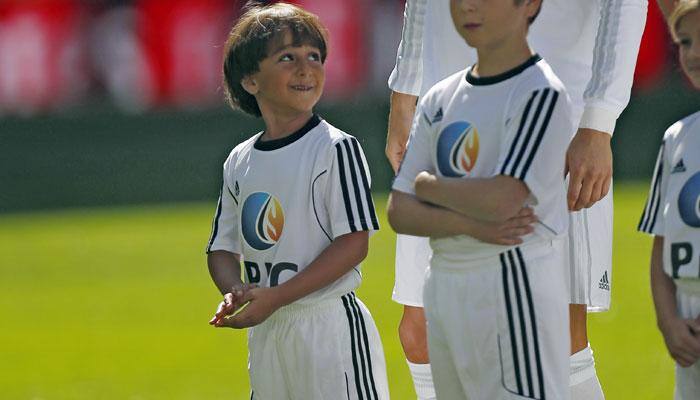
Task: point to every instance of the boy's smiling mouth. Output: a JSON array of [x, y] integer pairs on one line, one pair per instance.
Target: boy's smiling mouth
[[303, 88]]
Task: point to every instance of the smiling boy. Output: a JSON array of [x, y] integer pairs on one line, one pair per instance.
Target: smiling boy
[[296, 206], [486, 143]]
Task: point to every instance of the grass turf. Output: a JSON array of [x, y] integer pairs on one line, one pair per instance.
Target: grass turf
[[114, 303]]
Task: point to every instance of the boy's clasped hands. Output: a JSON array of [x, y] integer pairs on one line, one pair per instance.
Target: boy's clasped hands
[[246, 305]]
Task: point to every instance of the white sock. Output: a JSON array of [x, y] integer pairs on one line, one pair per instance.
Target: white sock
[[583, 380], [422, 380]]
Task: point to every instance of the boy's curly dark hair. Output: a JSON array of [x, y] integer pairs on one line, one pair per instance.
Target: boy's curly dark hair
[[257, 30]]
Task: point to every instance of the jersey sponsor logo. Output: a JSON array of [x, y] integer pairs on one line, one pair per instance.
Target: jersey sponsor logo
[[262, 220], [604, 283], [457, 149], [689, 201], [679, 167]]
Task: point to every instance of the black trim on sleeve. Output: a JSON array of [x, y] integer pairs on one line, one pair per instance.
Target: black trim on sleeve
[[651, 209], [490, 80], [355, 185], [528, 144], [365, 184], [268, 145], [344, 187], [215, 228], [540, 135]]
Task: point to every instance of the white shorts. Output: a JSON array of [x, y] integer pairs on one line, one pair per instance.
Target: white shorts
[[500, 329], [326, 350], [590, 260], [688, 379]]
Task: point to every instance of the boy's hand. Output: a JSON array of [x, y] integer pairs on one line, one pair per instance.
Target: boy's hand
[[508, 232], [682, 337], [231, 303], [262, 302]]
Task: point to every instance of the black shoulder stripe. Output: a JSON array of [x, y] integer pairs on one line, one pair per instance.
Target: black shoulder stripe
[[531, 129], [540, 135], [365, 184], [516, 140], [651, 209], [355, 185], [215, 223], [344, 187]]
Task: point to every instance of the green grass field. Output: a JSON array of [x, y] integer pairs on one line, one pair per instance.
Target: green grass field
[[114, 303]]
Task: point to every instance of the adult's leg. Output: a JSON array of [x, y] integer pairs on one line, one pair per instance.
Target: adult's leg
[[412, 258]]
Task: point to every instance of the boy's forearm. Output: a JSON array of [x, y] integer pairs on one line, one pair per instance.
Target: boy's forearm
[[663, 289], [225, 269], [410, 216], [341, 256], [491, 199]]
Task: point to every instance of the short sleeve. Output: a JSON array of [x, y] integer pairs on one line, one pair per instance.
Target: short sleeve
[[348, 196], [418, 155], [224, 231], [652, 219], [538, 131]]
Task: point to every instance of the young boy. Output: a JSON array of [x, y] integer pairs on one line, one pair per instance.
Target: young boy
[[296, 207], [672, 214], [487, 142]]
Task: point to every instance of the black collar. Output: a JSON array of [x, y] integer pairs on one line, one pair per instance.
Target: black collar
[[275, 144], [490, 80]]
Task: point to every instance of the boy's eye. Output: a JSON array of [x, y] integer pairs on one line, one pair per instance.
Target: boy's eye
[[685, 42], [315, 57], [286, 57]]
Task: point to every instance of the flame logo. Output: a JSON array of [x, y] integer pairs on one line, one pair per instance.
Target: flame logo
[[262, 220], [457, 149]]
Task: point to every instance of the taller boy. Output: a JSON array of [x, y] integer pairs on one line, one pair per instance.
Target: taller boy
[[487, 142], [296, 205]]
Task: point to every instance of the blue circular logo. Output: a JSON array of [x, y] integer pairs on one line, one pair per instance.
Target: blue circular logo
[[689, 201], [457, 149], [262, 220]]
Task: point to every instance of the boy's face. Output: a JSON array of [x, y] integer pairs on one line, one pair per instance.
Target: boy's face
[[688, 33], [290, 80], [487, 24]]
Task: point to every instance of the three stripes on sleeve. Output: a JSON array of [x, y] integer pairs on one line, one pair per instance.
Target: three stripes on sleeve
[[355, 186], [531, 130]]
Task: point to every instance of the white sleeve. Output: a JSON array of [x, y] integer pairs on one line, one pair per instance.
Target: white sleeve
[[224, 231], [408, 70], [620, 31], [418, 155], [652, 219], [348, 195], [537, 135]]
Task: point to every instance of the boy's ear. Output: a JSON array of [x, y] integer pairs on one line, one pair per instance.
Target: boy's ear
[[250, 85]]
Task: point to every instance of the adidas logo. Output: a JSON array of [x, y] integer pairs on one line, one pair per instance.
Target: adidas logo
[[680, 167], [438, 116], [604, 283]]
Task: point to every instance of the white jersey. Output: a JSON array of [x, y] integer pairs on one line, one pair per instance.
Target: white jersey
[[284, 201], [517, 124], [592, 46], [673, 207]]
